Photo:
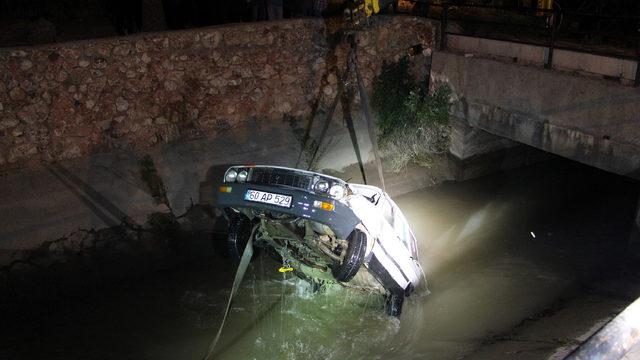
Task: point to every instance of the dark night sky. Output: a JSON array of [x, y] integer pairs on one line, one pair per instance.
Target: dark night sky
[[81, 19]]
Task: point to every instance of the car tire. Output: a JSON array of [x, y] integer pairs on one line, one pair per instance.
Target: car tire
[[239, 233], [353, 259], [393, 304]]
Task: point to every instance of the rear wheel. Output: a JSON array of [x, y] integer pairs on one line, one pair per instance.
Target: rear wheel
[[239, 233], [353, 258]]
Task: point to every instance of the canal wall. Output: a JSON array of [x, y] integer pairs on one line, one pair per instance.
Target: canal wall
[[70, 100], [77, 118]]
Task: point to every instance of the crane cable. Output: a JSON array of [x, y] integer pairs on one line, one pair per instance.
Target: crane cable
[[366, 109], [352, 63]]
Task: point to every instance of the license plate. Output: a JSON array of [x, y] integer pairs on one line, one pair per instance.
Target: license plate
[[268, 198]]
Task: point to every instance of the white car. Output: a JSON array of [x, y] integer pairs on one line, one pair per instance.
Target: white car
[[323, 228]]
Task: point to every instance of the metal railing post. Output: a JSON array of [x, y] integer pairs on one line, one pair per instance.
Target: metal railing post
[[443, 26], [552, 41]]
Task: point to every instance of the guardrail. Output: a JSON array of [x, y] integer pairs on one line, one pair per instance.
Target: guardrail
[[542, 25]]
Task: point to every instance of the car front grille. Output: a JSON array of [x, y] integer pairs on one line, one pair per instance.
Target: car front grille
[[271, 176]]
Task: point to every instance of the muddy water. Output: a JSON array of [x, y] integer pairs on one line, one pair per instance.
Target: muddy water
[[496, 250]]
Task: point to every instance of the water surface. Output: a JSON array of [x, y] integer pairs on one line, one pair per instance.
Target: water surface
[[496, 251]]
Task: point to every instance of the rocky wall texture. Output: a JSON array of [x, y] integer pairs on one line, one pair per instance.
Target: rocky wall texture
[[69, 100]]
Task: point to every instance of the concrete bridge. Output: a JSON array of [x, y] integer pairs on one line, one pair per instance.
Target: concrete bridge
[[589, 120]]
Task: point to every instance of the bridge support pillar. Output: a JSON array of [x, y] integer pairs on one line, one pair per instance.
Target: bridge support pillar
[[476, 152]]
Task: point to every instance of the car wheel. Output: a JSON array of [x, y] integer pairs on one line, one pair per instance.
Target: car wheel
[[393, 304], [354, 257], [239, 233]]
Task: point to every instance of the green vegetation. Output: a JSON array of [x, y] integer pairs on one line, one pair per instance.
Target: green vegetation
[[413, 126]]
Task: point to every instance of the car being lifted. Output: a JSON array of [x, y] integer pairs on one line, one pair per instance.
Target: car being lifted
[[323, 228]]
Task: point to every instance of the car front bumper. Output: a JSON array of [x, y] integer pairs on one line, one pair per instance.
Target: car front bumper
[[341, 219]]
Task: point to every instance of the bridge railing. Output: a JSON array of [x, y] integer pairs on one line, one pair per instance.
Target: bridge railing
[[551, 28]]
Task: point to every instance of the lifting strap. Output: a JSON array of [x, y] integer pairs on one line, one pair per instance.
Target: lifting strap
[[352, 62], [327, 121], [242, 268], [366, 109]]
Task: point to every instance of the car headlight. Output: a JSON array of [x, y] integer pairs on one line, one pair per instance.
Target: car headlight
[[321, 186], [231, 176], [242, 176], [337, 191]]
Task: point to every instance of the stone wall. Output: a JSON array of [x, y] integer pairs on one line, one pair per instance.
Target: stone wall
[[74, 99]]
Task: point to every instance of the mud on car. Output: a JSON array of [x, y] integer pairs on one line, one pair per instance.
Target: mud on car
[[323, 228]]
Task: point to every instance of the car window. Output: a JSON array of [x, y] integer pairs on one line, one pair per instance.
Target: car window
[[396, 219]]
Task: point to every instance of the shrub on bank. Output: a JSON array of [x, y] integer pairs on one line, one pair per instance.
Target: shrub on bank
[[413, 125]]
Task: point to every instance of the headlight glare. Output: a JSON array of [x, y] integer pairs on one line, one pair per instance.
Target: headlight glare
[[242, 176], [337, 191], [322, 186], [231, 176]]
